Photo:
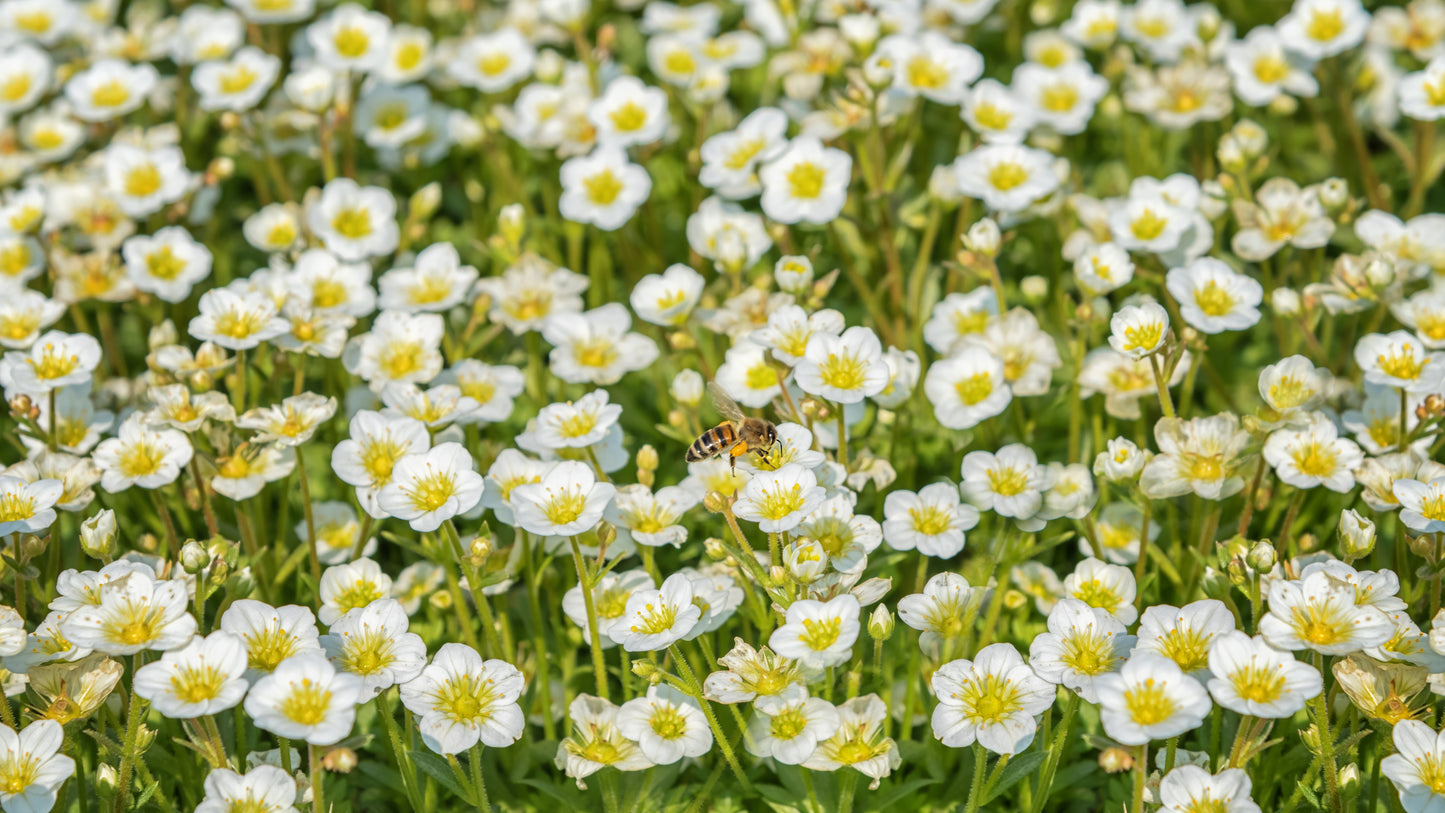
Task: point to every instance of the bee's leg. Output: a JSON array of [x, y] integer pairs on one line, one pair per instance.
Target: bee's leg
[[733, 464], [764, 456]]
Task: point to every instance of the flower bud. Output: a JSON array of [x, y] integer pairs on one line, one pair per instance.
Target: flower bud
[[512, 224], [1350, 781], [1286, 302], [1231, 155], [714, 549], [794, 275], [777, 574], [1121, 461], [98, 534], [606, 533], [194, 557], [878, 70], [162, 335], [1252, 138], [880, 624], [1116, 760], [1262, 557], [715, 501], [686, 389], [241, 583], [644, 669], [1334, 193], [943, 185], [479, 549], [105, 781], [442, 600], [1357, 534], [860, 30], [983, 238], [1216, 584], [339, 760], [1034, 288], [806, 560], [424, 203]]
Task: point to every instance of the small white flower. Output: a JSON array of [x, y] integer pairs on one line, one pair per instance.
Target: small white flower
[[1006, 177], [271, 634], [567, 501], [134, 613], [1322, 28], [667, 299], [1422, 504], [1082, 643], [933, 521], [1192, 789], [656, 619], [1185, 634], [305, 698], [1320, 612], [807, 182], [603, 189], [818, 634], [237, 84], [667, 725], [110, 88], [53, 361], [1399, 359], [350, 586], [1110, 588], [355, 222], [843, 369], [1009, 482], [780, 500], [1314, 455], [27, 507], [1255, 679], [992, 699], [463, 699], [1213, 297], [206, 676], [372, 643], [430, 488], [1139, 330], [967, 388], [493, 61], [32, 769], [1150, 699], [788, 726], [263, 789]]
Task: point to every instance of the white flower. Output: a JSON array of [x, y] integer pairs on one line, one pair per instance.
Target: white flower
[[1399, 359], [32, 769], [859, 742], [463, 699], [653, 519], [1293, 383], [53, 361], [349, 38], [206, 676], [263, 789], [1422, 93], [109, 88], [1062, 97], [271, 634], [400, 347], [1110, 588], [667, 299], [1422, 504], [730, 159], [1263, 69], [167, 263], [597, 743], [1314, 455], [1093, 24], [493, 61], [1082, 643], [1417, 766], [368, 457], [992, 699], [142, 181], [843, 369], [1192, 789], [355, 222], [597, 346], [492, 387], [1150, 699], [996, 113], [941, 612], [237, 84], [134, 614], [305, 698], [23, 314], [1322, 28], [790, 329], [236, 321], [807, 182], [933, 521], [389, 117], [567, 501], [1255, 679], [1103, 268], [1213, 297], [1200, 455], [350, 586], [27, 507], [967, 388], [1319, 612], [1009, 482], [1006, 177], [430, 488], [603, 188], [629, 113], [780, 500], [1281, 214], [747, 376], [932, 65], [957, 317], [667, 725], [1139, 330], [818, 634], [788, 726], [437, 281], [656, 619], [320, 281], [1185, 634], [372, 643]]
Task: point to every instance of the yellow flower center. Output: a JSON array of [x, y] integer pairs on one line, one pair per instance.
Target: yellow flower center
[[564, 507], [744, 153], [1060, 97], [143, 181], [1148, 225], [400, 359], [655, 618], [110, 94], [1007, 482], [1143, 337], [14, 258], [667, 722], [366, 654], [408, 55], [493, 64], [359, 594], [238, 323], [1097, 594], [1290, 392], [351, 42], [267, 648], [1315, 460], [788, 724], [597, 352], [1148, 704], [1186, 647], [1213, 299], [53, 363], [307, 703], [1271, 69], [16, 507], [164, 264], [924, 73], [1318, 626], [819, 634], [194, 684], [1088, 653], [237, 79], [15, 88], [781, 501], [603, 187], [991, 699], [992, 117], [1261, 684], [843, 372], [352, 223], [141, 459], [1402, 363], [1325, 24], [629, 117], [1007, 175], [805, 180], [975, 388], [432, 492]]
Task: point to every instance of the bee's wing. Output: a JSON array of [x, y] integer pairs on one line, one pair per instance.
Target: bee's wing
[[724, 403]]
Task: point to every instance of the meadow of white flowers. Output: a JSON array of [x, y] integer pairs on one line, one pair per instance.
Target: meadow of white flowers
[[352, 353]]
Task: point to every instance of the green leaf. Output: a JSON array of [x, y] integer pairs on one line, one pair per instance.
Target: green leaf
[[146, 795], [1017, 768], [438, 769], [896, 793], [1310, 797]]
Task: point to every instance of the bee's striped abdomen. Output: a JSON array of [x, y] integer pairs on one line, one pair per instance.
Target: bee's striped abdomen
[[711, 443]]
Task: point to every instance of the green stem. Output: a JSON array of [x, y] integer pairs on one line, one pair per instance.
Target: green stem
[[599, 667], [695, 689], [1141, 771], [318, 800], [1327, 743], [132, 733], [1166, 401], [403, 760], [1056, 753], [980, 768], [310, 518], [478, 783]]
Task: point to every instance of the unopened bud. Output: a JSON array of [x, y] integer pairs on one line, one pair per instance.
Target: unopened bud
[[714, 549], [880, 624], [1116, 760], [983, 238], [480, 548], [1357, 535], [105, 781], [1216, 584], [162, 335], [339, 760], [793, 274], [1034, 288], [194, 557], [1350, 781], [1334, 194], [1286, 302], [606, 533], [1014, 599], [1308, 542], [441, 599], [424, 203], [715, 501], [1263, 556], [241, 583], [777, 574], [686, 390], [647, 458], [98, 534], [644, 669]]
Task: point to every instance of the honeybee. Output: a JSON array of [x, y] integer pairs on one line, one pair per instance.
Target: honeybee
[[737, 436]]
